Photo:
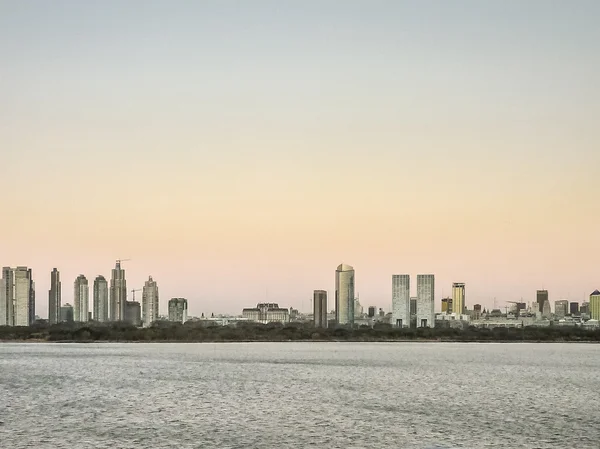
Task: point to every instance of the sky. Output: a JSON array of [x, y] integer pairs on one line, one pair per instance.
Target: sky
[[239, 151]]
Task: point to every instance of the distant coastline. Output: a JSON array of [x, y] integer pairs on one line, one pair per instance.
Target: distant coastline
[[198, 332]]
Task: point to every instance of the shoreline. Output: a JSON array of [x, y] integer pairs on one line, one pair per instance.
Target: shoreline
[[293, 341]]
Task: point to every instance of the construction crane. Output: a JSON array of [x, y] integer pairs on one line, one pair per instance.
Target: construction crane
[[133, 292], [122, 260]]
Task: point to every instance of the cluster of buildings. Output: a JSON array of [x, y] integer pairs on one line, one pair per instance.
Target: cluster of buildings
[[110, 303]]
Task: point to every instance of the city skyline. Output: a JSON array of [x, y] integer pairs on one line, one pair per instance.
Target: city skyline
[[273, 140]]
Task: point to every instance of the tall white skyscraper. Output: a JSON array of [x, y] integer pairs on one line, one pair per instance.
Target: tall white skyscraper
[[425, 300], [344, 294], [118, 293], [400, 300], [17, 297], [149, 302], [81, 299], [458, 298], [54, 297], [100, 299]]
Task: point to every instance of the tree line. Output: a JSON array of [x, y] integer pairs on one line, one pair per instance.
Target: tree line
[[163, 331]]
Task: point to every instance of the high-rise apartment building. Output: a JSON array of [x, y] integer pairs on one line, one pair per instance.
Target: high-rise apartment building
[[425, 300], [81, 299], [17, 297], [400, 300], [458, 298], [118, 293], [320, 308], [595, 305], [66, 313], [54, 297], [149, 302], [133, 313], [178, 310], [344, 295], [561, 308], [101, 299], [541, 296]]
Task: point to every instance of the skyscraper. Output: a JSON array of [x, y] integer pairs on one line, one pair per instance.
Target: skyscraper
[[574, 308], [425, 300], [54, 297], [541, 296], [320, 308], [178, 310], [118, 293], [17, 297], [400, 300], [458, 298], [149, 302], [81, 299], [595, 305], [100, 299], [344, 295]]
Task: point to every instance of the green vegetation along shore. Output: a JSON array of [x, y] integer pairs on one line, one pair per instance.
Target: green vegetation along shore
[[249, 332]]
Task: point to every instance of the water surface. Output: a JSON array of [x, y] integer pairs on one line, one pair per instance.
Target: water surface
[[298, 395]]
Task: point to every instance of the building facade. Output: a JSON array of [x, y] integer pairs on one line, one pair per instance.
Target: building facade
[[267, 313], [17, 297], [561, 308], [101, 299], [458, 298], [541, 296], [178, 308], [595, 305], [413, 306], [66, 313], [133, 313], [118, 294], [344, 295], [54, 297], [400, 300], [81, 299], [574, 308], [425, 300], [320, 308], [149, 302], [446, 305]]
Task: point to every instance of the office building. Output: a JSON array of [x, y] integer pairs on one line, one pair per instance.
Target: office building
[[17, 297], [320, 308], [81, 299], [149, 302], [372, 311], [413, 306], [446, 305], [595, 305], [561, 308], [101, 299], [66, 313], [400, 300], [358, 308], [54, 297], [268, 312], [425, 300], [458, 298], [574, 308], [476, 312], [546, 311], [118, 293], [133, 313], [178, 310], [344, 295], [541, 296], [585, 308]]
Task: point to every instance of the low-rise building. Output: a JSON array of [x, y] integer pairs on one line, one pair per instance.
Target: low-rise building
[[266, 313]]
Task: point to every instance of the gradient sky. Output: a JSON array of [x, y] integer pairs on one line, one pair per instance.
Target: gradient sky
[[239, 151]]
